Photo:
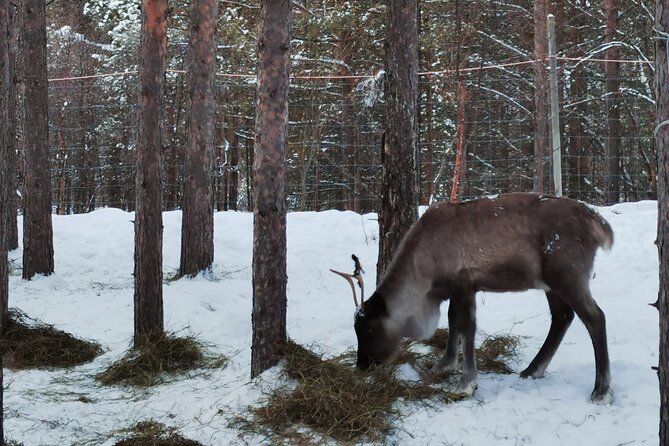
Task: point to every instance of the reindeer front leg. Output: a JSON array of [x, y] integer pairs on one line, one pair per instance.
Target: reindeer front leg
[[462, 328], [467, 328], [449, 362]]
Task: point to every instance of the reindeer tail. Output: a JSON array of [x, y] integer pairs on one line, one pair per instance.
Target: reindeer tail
[[602, 231]]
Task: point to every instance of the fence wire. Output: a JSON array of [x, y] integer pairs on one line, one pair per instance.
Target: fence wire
[[335, 131]]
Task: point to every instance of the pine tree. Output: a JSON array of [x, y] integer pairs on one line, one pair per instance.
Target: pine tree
[[5, 147], [541, 143], [269, 196], [612, 99], [399, 194], [662, 141], [148, 217], [197, 230], [37, 226]]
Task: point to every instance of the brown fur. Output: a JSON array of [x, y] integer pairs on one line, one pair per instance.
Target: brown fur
[[513, 242]]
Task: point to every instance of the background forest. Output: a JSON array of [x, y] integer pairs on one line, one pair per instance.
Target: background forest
[[336, 101]]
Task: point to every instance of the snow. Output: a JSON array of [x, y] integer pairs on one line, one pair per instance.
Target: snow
[[91, 295], [406, 372]]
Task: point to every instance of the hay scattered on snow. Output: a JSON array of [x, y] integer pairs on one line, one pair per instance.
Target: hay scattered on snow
[[438, 340], [29, 344], [494, 353], [331, 399], [152, 433], [160, 354]]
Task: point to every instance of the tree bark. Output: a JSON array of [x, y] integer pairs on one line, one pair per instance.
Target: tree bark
[[662, 143], [229, 181], [250, 158], [351, 180], [197, 229], [37, 226], [233, 178], [12, 239], [220, 137], [578, 159], [612, 176], [351, 176], [5, 181], [399, 194], [148, 216], [541, 142], [269, 197], [428, 188]]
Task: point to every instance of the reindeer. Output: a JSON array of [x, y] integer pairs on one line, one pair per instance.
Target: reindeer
[[513, 242]]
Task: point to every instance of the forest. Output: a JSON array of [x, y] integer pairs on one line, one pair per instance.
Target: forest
[[336, 101], [211, 132]]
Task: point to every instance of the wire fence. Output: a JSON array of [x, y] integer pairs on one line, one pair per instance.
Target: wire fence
[[335, 131]]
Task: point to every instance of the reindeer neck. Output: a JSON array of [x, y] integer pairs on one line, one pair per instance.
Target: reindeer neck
[[405, 295]]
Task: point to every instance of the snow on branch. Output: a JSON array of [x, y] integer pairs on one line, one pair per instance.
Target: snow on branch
[[509, 47]]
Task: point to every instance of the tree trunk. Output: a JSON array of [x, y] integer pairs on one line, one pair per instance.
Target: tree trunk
[[37, 227], [12, 239], [219, 156], [148, 216], [197, 229], [5, 181], [612, 176], [541, 142], [578, 158], [349, 180], [460, 144], [86, 162], [173, 157], [428, 189], [351, 191], [233, 178], [269, 197], [399, 194], [250, 155], [662, 142]]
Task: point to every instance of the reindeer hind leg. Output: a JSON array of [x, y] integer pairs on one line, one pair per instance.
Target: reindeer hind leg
[[593, 318], [561, 317]]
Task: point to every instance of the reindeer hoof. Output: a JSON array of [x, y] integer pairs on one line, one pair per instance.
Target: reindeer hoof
[[529, 373], [466, 388], [603, 397]]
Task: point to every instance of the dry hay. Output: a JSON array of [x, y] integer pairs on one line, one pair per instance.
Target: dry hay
[[152, 433], [157, 355], [491, 356], [438, 340], [30, 344], [333, 400], [494, 353]]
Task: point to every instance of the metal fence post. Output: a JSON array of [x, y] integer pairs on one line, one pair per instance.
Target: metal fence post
[[555, 116]]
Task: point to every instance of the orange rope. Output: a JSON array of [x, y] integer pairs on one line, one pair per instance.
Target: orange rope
[[459, 136], [365, 76]]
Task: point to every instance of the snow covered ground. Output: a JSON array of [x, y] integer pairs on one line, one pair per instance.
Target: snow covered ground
[[91, 296]]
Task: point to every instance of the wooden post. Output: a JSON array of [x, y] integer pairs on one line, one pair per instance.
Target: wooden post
[[555, 110]]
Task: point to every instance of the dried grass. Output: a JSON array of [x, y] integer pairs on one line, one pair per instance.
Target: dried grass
[[332, 400], [494, 353], [30, 344], [152, 433], [158, 355]]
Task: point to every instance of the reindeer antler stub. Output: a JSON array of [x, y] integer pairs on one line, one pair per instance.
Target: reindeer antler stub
[[357, 275]]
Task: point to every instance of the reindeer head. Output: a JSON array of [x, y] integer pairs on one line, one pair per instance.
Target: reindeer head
[[376, 341]]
